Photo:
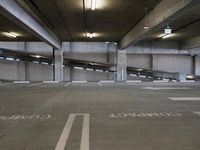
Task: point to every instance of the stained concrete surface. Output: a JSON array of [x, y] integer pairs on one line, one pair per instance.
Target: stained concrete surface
[[33, 118]]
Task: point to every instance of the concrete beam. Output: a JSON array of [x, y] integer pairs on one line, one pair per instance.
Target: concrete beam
[[15, 12], [165, 12], [192, 43]]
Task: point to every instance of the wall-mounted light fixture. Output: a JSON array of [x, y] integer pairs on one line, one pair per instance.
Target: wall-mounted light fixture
[[93, 4]]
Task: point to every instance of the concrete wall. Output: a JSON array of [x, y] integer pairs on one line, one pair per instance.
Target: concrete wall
[[139, 60], [84, 75], [173, 63], [10, 70], [38, 72]]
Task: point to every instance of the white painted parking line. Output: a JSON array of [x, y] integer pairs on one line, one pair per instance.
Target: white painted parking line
[[161, 81], [133, 81], [51, 82], [79, 81], [67, 84], [66, 131], [21, 82], [85, 133], [5, 84], [188, 81], [185, 98], [165, 88], [197, 112], [107, 81], [35, 84], [100, 84]]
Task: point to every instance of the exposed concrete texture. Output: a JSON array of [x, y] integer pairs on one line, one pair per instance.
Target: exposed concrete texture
[[15, 12], [66, 74], [91, 51], [165, 12], [84, 75], [10, 70], [121, 117], [156, 48], [59, 64], [38, 72], [121, 65], [39, 48], [139, 60], [197, 65], [173, 63], [191, 43], [20, 46]]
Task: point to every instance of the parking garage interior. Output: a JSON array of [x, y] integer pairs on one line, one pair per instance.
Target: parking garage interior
[[99, 75]]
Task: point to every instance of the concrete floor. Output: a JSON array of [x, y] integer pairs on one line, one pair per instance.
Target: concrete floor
[[93, 116]]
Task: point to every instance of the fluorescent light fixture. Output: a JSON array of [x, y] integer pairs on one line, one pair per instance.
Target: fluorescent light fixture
[[99, 70], [93, 4], [17, 59], [10, 34], [107, 42], [80, 68], [1, 57], [44, 63], [115, 43], [146, 27], [133, 75], [167, 36], [11, 59], [90, 35], [88, 69], [190, 76], [35, 62], [37, 56]]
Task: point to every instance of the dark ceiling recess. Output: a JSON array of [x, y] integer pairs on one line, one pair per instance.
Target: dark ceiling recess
[[112, 19]]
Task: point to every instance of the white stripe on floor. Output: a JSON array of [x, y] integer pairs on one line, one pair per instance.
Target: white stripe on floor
[[85, 133], [100, 84], [67, 84], [66, 131], [5, 84], [35, 84], [165, 88], [65, 134], [185, 98], [197, 112]]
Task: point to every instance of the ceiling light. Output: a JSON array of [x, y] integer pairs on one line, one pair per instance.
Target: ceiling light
[[90, 35], [93, 4], [107, 42], [37, 56], [115, 43], [10, 34], [145, 19], [12, 59], [167, 36]]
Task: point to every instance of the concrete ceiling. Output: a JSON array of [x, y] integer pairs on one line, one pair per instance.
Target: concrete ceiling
[[8, 26], [183, 28], [111, 20], [69, 19]]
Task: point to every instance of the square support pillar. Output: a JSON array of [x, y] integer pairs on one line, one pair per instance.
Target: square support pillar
[[121, 65], [197, 65], [59, 65]]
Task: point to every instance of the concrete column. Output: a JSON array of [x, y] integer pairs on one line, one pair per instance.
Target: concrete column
[[121, 65], [59, 65], [155, 62], [112, 59], [197, 65]]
